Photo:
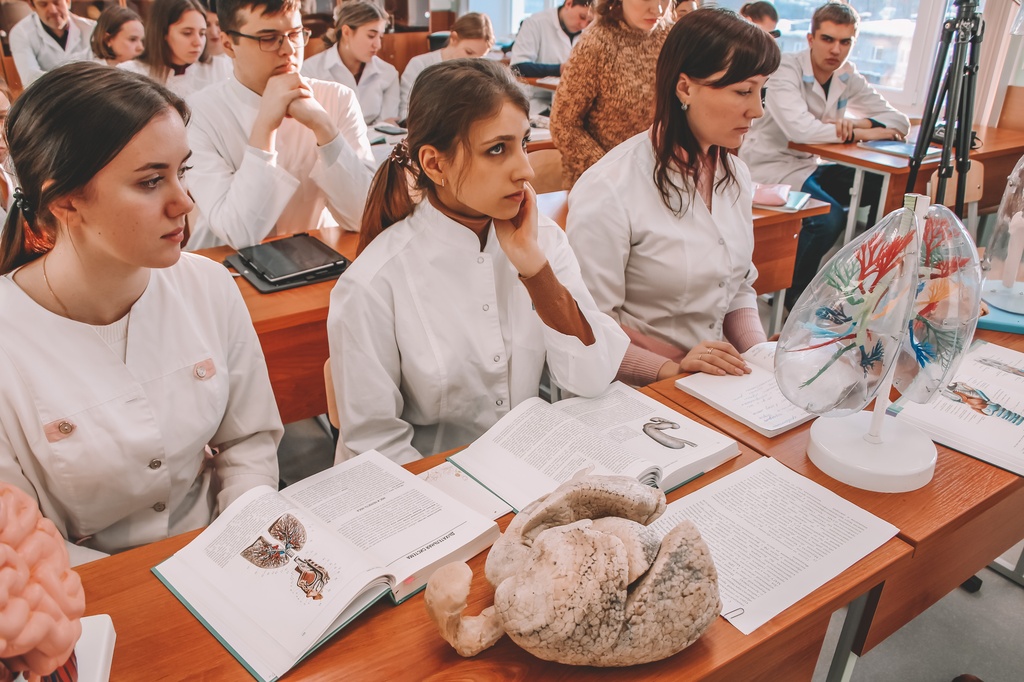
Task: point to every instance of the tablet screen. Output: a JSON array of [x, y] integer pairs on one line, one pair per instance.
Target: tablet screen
[[291, 257]]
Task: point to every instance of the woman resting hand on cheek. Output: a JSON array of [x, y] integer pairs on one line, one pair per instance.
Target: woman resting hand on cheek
[[447, 317], [136, 403]]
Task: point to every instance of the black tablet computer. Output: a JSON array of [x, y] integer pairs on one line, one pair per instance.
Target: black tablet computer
[[293, 257]]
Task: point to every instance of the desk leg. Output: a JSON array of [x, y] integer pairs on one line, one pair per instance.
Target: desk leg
[[778, 306], [855, 192], [844, 659], [880, 213], [1016, 573]]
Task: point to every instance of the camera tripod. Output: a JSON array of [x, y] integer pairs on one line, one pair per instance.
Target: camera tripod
[[952, 89]]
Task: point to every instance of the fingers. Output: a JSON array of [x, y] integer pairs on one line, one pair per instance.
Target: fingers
[[715, 357]]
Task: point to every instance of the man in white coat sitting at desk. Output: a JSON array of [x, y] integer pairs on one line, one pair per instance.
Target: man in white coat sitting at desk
[[274, 153], [49, 37], [817, 97], [544, 42]]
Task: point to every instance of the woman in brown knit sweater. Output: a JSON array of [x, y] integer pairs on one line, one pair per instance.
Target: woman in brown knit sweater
[[607, 91]]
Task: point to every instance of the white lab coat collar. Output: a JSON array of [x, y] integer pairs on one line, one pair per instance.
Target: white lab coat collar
[[840, 79], [74, 33]]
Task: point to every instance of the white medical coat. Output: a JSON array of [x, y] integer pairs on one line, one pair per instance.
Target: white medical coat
[[196, 77], [433, 340], [673, 278], [36, 52], [115, 450], [245, 194], [797, 110], [377, 89], [412, 71], [541, 40]]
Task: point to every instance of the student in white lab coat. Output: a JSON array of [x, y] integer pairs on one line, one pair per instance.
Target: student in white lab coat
[[354, 63], [447, 317], [662, 224], [817, 97], [274, 153], [544, 41], [6, 181], [136, 403], [49, 37], [118, 36], [470, 36], [175, 52]]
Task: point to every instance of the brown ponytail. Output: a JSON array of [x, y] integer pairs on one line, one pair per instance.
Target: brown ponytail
[[446, 100]]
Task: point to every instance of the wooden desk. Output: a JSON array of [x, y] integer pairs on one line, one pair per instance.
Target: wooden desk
[[964, 518], [292, 326], [157, 638], [534, 82], [1000, 150]]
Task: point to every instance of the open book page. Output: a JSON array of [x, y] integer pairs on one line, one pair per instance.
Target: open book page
[[754, 399], [981, 411], [269, 581], [404, 523], [775, 537], [454, 481], [652, 431], [536, 447]]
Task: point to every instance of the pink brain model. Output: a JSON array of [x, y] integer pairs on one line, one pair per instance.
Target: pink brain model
[[41, 598]]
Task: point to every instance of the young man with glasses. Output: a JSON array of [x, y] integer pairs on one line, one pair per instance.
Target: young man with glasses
[[274, 153]]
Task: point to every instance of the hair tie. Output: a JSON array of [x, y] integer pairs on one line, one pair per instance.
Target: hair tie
[[400, 154], [21, 202]]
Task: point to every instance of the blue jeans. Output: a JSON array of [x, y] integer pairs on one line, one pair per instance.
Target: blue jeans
[[831, 183]]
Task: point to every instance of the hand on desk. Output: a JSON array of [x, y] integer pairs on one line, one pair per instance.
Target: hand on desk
[[714, 357]]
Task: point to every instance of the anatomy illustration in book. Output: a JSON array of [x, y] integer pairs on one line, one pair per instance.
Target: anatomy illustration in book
[[959, 392], [656, 427], [290, 535]]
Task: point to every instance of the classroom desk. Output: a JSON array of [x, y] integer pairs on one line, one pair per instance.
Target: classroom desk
[[158, 638], [970, 513], [534, 82], [1000, 150], [292, 324]]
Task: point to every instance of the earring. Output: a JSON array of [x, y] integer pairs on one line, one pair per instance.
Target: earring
[[442, 182], [684, 106]]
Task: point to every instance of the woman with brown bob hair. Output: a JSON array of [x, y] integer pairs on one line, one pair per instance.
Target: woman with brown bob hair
[[136, 403], [447, 317], [118, 36], [175, 54], [606, 93], [662, 225]]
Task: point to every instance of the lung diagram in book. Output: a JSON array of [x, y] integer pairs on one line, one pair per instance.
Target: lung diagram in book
[[655, 428], [959, 392], [291, 537]]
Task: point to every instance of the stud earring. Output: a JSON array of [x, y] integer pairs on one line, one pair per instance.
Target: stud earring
[[684, 106], [442, 182]]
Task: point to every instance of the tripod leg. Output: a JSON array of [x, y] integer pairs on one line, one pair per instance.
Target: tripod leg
[[965, 123], [932, 104]]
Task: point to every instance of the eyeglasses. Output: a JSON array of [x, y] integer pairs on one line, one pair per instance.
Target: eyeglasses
[[272, 42]]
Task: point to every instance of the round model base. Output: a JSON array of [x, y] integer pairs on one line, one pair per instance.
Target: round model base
[[1009, 299], [904, 461]]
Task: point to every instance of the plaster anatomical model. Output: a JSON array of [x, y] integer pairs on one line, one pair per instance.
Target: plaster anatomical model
[[579, 578]]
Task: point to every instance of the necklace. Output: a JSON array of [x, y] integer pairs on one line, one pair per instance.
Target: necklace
[[52, 293]]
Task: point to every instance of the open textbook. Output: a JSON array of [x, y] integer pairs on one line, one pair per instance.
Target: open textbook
[[278, 573], [538, 446], [753, 399], [775, 537], [981, 411]]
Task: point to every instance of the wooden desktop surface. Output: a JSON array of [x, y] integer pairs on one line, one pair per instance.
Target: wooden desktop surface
[[292, 324], [1000, 150], [157, 638], [533, 81], [970, 513]]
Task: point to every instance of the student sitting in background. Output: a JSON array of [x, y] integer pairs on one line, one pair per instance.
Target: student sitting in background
[[454, 305], [607, 90], [175, 53], [49, 37], [544, 42], [275, 153], [118, 36], [683, 7], [662, 225], [7, 183], [470, 36], [136, 403], [763, 15], [817, 97], [354, 63]]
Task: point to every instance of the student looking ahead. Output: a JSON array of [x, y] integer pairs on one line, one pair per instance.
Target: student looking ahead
[[275, 153], [454, 305], [662, 225], [818, 97], [136, 403]]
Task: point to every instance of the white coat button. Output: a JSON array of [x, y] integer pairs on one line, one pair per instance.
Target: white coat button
[[721, 241], [497, 358], [486, 307], [155, 464], [159, 507], [499, 402], [721, 284], [65, 427], [480, 260], [200, 371], [711, 326]]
